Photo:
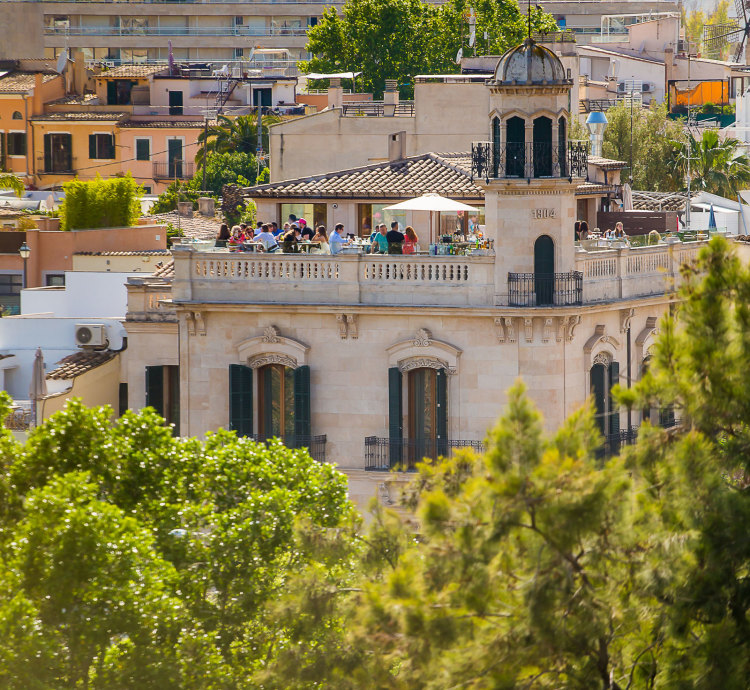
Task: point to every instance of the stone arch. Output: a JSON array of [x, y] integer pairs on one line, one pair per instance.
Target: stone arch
[[424, 351]]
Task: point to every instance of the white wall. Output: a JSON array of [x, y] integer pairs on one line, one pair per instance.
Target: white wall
[[86, 294], [22, 335]]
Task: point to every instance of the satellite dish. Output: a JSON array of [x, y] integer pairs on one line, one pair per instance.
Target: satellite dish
[[459, 55], [62, 61]]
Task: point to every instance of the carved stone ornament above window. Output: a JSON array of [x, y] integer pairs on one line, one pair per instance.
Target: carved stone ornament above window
[[603, 358], [423, 338], [271, 334], [424, 363], [271, 358]]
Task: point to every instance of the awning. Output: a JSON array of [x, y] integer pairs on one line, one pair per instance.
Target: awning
[[331, 75], [717, 209]]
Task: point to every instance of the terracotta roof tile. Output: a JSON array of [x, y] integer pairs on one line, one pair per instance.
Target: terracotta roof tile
[[21, 82], [79, 363], [129, 71], [166, 271], [198, 227], [448, 174], [607, 163], [658, 201], [166, 122], [80, 117]]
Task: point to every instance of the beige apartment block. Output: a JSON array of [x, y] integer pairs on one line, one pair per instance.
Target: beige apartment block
[[375, 361]]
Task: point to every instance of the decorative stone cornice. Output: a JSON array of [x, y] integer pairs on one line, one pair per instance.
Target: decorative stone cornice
[[424, 363]]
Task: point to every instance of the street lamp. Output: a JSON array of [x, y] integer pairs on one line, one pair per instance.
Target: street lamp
[[25, 251]]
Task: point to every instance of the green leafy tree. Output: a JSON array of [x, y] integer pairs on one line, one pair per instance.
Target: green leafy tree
[[234, 135], [222, 168], [133, 559], [398, 39], [651, 141], [110, 203], [10, 181], [719, 166]]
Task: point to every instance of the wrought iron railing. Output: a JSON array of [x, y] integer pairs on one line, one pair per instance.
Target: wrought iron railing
[[405, 453], [545, 289], [169, 170], [316, 445], [19, 419], [377, 109], [528, 159]]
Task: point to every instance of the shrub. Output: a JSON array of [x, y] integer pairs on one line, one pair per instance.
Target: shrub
[[100, 203]]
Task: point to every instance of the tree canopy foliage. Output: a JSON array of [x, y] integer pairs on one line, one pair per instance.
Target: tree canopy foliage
[[399, 39], [131, 559]]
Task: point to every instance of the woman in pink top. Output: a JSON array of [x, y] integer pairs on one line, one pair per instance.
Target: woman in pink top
[[410, 240]]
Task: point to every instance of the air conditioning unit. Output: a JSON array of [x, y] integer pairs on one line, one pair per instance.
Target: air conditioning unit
[[683, 46], [647, 87], [621, 87], [91, 335]]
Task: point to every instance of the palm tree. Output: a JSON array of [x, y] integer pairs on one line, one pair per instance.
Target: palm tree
[[10, 181], [719, 166], [234, 134]]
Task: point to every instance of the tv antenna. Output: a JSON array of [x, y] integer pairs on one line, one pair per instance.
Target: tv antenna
[[717, 37]]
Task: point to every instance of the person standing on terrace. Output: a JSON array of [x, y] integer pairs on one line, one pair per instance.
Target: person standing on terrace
[[380, 241]]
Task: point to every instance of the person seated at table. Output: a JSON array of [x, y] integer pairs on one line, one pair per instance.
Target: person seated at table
[[336, 241], [410, 240], [266, 239], [235, 238], [279, 231], [584, 231], [379, 240], [274, 229], [322, 237], [290, 241], [223, 237], [395, 239], [620, 233], [307, 232]]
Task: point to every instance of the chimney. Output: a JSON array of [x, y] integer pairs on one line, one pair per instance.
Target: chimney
[[396, 146], [185, 209], [206, 206], [390, 97], [37, 102], [79, 72], [335, 94]]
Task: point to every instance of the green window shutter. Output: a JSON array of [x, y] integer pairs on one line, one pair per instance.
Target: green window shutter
[[395, 414], [241, 399], [598, 391], [155, 388], [614, 414], [142, 152], [302, 421], [109, 149], [92, 146], [173, 414], [111, 92], [47, 152], [67, 144], [442, 412]]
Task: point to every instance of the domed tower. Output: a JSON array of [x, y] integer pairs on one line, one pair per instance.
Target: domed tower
[[530, 172]]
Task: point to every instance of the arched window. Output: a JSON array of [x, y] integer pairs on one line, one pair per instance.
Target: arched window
[[604, 375], [544, 270], [542, 147], [515, 147], [427, 413], [276, 401], [562, 142], [495, 146], [17, 115]]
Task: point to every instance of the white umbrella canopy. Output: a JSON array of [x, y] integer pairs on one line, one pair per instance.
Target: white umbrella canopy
[[431, 202], [627, 197], [38, 387]]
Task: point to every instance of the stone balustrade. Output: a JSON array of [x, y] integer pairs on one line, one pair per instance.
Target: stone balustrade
[[340, 279], [627, 273], [450, 281]]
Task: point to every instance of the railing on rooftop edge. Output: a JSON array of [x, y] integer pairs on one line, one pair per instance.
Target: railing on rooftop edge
[[545, 289], [316, 445], [529, 160], [229, 30], [377, 109], [385, 454]]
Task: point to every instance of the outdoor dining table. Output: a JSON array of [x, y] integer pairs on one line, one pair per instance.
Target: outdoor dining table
[[308, 246]]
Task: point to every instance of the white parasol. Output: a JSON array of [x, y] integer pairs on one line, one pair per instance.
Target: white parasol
[[627, 197], [432, 202], [38, 387]]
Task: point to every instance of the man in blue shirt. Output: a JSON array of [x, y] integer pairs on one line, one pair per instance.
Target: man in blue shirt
[[379, 240], [336, 241]]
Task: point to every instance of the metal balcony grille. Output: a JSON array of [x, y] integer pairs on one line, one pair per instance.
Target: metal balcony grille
[[384, 453], [545, 289], [528, 160], [169, 170], [316, 445]]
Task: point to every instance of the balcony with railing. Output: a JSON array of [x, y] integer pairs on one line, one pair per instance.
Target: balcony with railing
[[57, 166], [545, 289], [315, 445], [385, 454], [174, 169], [528, 160], [230, 30]]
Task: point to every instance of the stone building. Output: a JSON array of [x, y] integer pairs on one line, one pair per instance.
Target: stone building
[[375, 361]]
